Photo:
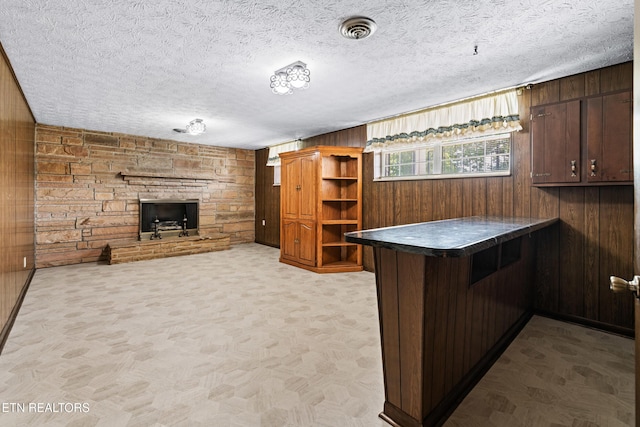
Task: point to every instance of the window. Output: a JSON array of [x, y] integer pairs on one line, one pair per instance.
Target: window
[[486, 156], [276, 176]]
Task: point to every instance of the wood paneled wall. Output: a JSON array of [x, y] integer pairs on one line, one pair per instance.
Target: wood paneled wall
[[595, 236], [17, 246], [267, 202], [268, 195]]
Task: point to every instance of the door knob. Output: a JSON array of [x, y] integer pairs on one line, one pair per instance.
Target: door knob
[[621, 285]]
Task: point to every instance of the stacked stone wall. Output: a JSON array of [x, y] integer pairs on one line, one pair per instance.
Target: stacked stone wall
[[88, 187]]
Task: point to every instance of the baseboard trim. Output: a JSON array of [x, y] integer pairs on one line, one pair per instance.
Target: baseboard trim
[[4, 335], [594, 324]]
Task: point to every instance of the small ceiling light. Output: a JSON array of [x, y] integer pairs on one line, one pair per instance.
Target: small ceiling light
[[195, 127], [357, 28], [279, 84], [293, 76], [298, 75]]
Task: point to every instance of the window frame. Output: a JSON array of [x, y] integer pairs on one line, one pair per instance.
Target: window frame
[[437, 146]]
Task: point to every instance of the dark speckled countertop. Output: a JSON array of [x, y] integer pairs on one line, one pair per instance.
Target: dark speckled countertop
[[451, 237]]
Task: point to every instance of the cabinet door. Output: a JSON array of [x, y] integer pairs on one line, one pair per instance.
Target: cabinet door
[[307, 193], [609, 138], [307, 242], [298, 242], [288, 239], [298, 188], [555, 143], [290, 188]]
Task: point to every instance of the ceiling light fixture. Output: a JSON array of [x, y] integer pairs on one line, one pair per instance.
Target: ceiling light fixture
[[195, 127], [293, 76]]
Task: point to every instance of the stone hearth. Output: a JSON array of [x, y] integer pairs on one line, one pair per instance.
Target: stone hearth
[[122, 252]]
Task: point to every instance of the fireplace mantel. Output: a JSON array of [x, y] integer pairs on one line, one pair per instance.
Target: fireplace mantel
[[164, 174]]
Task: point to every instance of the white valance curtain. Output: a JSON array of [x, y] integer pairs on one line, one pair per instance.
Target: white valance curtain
[[489, 114], [275, 150]]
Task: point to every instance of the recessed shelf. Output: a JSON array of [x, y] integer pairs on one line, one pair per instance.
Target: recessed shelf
[[333, 244], [340, 222], [342, 178]]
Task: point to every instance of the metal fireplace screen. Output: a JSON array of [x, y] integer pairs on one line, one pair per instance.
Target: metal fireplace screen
[[168, 218]]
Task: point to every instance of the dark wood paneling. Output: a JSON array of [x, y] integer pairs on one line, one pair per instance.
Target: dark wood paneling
[[368, 215], [425, 207], [570, 290], [386, 264], [261, 166], [267, 202], [17, 246], [617, 77], [616, 249], [572, 87], [439, 332], [411, 296], [352, 137], [592, 83], [591, 252], [546, 93], [8, 169]]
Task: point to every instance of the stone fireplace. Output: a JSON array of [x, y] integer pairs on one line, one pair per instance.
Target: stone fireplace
[[171, 218]]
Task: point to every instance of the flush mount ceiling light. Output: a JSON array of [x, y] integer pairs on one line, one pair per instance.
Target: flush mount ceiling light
[[293, 76], [195, 127], [357, 28]]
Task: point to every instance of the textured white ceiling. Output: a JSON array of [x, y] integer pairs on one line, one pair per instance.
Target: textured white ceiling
[[145, 67]]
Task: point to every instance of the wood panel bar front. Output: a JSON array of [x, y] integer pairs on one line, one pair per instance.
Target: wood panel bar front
[[443, 324]]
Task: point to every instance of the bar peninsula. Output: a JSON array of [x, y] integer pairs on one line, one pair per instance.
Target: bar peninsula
[[452, 294]]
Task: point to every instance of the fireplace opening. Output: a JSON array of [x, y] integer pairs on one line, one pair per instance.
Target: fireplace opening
[[168, 218]]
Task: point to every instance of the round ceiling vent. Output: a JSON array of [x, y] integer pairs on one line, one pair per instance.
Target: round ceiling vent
[[358, 28]]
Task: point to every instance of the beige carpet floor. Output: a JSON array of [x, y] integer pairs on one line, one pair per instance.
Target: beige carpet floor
[[235, 338]]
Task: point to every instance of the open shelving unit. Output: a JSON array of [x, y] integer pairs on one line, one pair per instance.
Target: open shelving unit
[[338, 195]]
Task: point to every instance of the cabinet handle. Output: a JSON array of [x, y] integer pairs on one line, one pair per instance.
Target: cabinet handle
[[626, 101], [543, 114], [298, 187], [296, 241], [593, 167], [573, 168]]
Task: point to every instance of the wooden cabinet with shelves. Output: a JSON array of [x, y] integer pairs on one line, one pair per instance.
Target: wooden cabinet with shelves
[[321, 185], [587, 141]]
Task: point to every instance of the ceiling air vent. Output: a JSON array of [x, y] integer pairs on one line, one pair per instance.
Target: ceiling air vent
[[358, 28]]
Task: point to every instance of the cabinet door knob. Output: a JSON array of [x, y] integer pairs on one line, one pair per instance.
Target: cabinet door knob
[[593, 167], [296, 241], [573, 168]]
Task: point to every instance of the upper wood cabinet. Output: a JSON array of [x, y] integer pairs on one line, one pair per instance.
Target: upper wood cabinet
[[609, 138], [583, 142], [321, 194], [298, 182], [555, 143]]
